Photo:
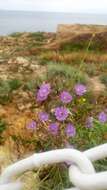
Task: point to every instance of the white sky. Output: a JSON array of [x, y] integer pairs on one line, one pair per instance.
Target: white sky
[[87, 6]]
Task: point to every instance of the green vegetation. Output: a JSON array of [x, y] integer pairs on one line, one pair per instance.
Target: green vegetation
[[96, 43], [6, 88], [31, 85], [14, 84], [4, 92], [63, 75], [38, 36], [103, 79], [57, 178], [2, 126], [16, 34], [74, 46]]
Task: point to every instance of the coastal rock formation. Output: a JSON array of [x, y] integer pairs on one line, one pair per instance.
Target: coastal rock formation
[[77, 29]]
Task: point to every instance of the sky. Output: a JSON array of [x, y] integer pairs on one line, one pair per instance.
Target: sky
[[78, 6]]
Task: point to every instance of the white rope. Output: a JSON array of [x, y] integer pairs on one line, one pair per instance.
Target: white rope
[[86, 181], [11, 186], [97, 181], [81, 171], [37, 160], [97, 153]]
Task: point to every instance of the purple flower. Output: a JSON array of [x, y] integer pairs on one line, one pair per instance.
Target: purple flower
[[53, 128], [43, 92], [80, 89], [89, 122], [43, 116], [40, 96], [70, 130], [61, 113], [65, 97], [102, 117], [31, 125], [46, 88]]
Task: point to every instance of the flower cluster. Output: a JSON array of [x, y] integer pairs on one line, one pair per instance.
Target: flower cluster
[[61, 119], [65, 118], [61, 113]]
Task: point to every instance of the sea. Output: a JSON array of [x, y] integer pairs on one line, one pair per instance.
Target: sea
[[26, 21]]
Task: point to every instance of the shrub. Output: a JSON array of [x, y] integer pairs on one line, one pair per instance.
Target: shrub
[[90, 69], [64, 117], [14, 84], [4, 92], [6, 88], [38, 36], [103, 79], [16, 34], [62, 75]]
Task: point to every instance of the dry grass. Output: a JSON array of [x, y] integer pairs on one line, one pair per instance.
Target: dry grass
[[89, 57]]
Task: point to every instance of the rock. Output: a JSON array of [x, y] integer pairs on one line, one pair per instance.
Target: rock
[[26, 64], [1, 51], [25, 102], [21, 106], [3, 76], [23, 95], [20, 69], [2, 61], [28, 106], [20, 61], [34, 67]]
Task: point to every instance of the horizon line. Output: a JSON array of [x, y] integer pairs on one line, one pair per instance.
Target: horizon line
[[60, 12]]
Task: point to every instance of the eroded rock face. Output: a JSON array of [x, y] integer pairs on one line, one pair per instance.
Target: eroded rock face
[[66, 29], [19, 60]]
